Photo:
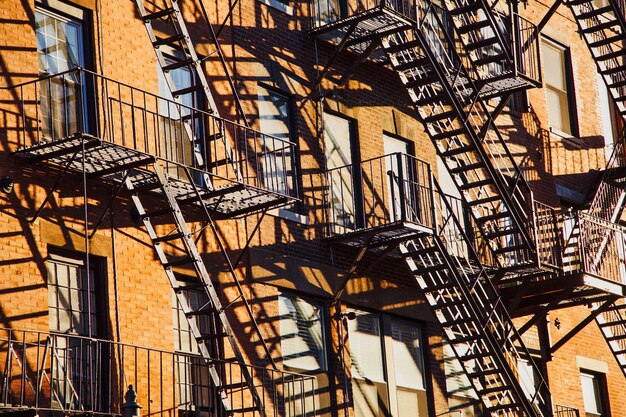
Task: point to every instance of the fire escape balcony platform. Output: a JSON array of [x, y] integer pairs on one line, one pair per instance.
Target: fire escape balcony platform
[[561, 291], [369, 25], [382, 235], [226, 199]]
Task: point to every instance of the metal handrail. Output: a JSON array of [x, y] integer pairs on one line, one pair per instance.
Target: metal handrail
[[565, 411], [78, 102], [376, 192], [55, 371]]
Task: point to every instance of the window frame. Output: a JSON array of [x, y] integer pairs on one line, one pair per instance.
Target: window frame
[[602, 395], [570, 88], [392, 389], [323, 313], [292, 138]]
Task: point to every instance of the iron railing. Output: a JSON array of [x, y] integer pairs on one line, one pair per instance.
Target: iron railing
[[325, 12], [79, 103], [525, 42], [564, 411], [608, 200], [602, 248], [49, 371], [377, 192], [548, 236]]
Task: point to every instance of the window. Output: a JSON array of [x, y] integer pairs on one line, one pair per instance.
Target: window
[[387, 366], [341, 156], [559, 88], [398, 177], [276, 120], [610, 118], [175, 144], [73, 307], [192, 377], [594, 394], [60, 47], [301, 333]]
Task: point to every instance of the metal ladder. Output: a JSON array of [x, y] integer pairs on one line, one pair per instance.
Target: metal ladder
[[181, 42], [473, 316], [463, 131], [142, 183]]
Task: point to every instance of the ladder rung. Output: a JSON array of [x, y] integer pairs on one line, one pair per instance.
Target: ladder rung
[[184, 261], [614, 338], [155, 213], [450, 114], [168, 238], [491, 390], [615, 54], [186, 90], [500, 233], [159, 14], [614, 323], [169, 40], [177, 64], [213, 336]]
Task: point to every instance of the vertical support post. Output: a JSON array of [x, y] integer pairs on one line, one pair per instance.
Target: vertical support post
[[401, 190]]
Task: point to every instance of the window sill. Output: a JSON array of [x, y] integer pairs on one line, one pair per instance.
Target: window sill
[[287, 214], [565, 137], [278, 6]]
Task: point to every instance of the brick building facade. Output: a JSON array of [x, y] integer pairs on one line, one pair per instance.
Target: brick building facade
[[312, 208]]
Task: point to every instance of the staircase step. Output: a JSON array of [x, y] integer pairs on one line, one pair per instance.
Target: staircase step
[[150, 186], [490, 59], [456, 322], [421, 82], [614, 338], [468, 167], [457, 151], [449, 133], [169, 40], [418, 63], [158, 15], [168, 238], [611, 55], [501, 233], [472, 6], [473, 26], [491, 390], [426, 100], [595, 12], [473, 356], [485, 200], [421, 252], [449, 303], [610, 71], [507, 249], [462, 340], [422, 270], [605, 41], [614, 323], [476, 184], [482, 43], [394, 49], [599, 27], [491, 217], [450, 114], [438, 287], [499, 407], [617, 84]]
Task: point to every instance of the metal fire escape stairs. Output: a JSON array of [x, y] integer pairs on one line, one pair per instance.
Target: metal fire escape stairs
[[475, 320], [451, 100], [603, 27]]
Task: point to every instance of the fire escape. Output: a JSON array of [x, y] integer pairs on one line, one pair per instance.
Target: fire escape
[[182, 170], [460, 63]]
